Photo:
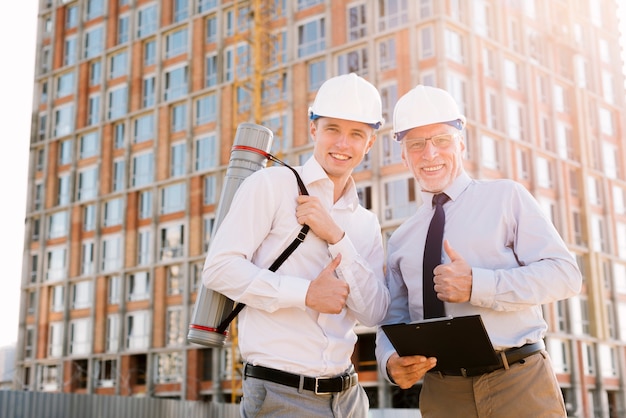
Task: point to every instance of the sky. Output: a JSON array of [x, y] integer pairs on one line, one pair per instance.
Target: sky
[[18, 34]]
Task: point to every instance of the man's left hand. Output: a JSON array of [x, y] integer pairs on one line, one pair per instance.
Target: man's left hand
[[453, 280]]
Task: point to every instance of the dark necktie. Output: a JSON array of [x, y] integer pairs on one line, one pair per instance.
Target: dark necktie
[[433, 307]]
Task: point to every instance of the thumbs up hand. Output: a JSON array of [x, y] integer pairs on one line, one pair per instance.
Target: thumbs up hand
[[453, 280], [327, 293]]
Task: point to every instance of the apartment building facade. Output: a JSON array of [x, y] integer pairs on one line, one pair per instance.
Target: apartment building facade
[[136, 106]]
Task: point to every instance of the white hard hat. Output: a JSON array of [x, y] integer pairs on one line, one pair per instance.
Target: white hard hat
[[348, 97], [425, 105]]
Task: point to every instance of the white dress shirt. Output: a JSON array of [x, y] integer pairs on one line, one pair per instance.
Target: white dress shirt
[[518, 261], [276, 329]]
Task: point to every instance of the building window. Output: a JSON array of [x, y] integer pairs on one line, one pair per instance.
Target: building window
[[65, 85], [143, 169], [88, 259], [317, 75], [211, 71], [65, 152], [55, 339], [149, 53], [93, 112], [112, 256], [206, 153], [211, 29], [70, 52], [400, 199], [89, 218], [118, 102], [207, 231], [138, 286], [118, 65], [210, 190], [95, 73], [178, 159], [81, 295], [179, 117], [175, 284], [87, 184], [64, 120], [172, 242], [57, 298], [206, 5], [515, 119], [168, 368], [144, 128], [311, 38], [149, 91], [119, 175], [560, 355], [544, 172], [145, 204], [112, 334], [58, 225], [353, 62], [123, 29], [137, 330], [71, 17], [392, 13], [48, 378], [357, 22], [144, 247], [114, 289], [34, 267], [57, 264], [387, 54], [181, 10], [176, 83], [490, 152], [278, 50], [392, 151], [195, 278], [94, 42], [113, 212], [80, 336], [29, 343], [147, 23], [206, 109], [63, 193], [176, 43], [173, 198], [95, 8], [105, 372], [119, 135]]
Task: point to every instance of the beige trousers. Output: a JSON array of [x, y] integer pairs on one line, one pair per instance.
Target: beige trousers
[[527, 389]]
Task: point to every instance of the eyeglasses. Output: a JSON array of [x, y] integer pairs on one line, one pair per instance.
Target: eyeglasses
[[439, 141]]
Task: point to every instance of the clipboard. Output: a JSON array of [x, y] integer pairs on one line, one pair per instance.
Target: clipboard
[[456, 342]]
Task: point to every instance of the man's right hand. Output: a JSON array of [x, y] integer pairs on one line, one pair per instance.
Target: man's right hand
[[327, 293], [408, 370]]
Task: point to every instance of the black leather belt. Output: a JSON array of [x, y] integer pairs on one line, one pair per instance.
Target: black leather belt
[[319, 385], [513, 355]]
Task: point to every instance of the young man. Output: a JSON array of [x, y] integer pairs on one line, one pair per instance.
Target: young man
[[502, 259], [296, 333]]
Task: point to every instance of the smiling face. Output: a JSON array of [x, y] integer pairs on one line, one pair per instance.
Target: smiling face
[[340, 146], [434, 168]]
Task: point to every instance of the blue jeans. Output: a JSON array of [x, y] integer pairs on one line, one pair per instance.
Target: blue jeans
[[262, 398]]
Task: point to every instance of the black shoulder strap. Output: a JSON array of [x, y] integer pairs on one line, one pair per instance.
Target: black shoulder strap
[[281, 258]]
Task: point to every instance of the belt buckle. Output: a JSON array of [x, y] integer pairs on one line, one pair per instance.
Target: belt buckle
[[317, 384]]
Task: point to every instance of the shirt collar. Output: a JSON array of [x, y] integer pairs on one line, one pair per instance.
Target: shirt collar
[[453, 191], [312, 172]]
